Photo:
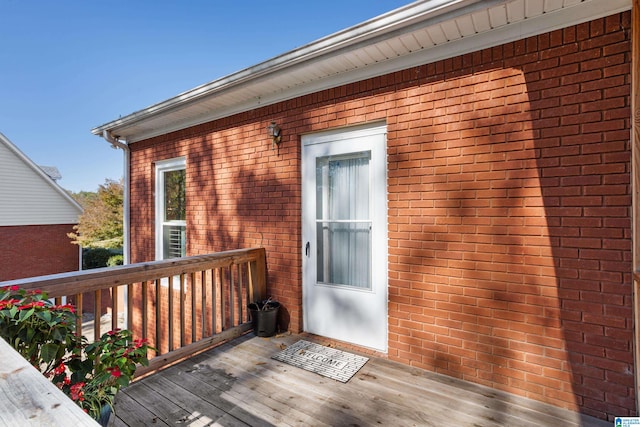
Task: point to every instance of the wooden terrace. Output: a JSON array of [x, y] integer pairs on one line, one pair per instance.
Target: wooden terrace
[[238, 384], [211, 370]]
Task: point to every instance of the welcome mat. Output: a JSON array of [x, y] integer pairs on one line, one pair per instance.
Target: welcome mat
[[326, 361]]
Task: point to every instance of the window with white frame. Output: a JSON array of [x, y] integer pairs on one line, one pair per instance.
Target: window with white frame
[[171, 224]]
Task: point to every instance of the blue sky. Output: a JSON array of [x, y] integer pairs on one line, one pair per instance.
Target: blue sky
[[69, 66]]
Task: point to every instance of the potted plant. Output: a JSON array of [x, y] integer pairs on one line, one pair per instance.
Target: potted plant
[[264, 317], [45, 334]]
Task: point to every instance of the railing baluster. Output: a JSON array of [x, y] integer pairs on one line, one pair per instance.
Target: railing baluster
[[240, 294], [97, 308], [129, 322], [203, 303], [79, 314], [171, 308], [232, 307], [215, 277], [223, 299], [193, 306], [182, 310], [144, 299], [114, 308], [159, 316]]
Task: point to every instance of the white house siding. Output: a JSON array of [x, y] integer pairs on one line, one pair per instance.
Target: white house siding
[[27, 195]]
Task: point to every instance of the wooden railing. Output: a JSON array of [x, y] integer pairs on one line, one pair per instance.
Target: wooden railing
[[182, 306]]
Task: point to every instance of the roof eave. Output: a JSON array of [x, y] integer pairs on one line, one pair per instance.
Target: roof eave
[[377, 26], [391, 24]]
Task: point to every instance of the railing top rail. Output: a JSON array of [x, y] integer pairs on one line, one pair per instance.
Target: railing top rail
[[100, 278]]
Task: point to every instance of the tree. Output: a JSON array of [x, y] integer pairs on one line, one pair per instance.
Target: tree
[[101, 223]]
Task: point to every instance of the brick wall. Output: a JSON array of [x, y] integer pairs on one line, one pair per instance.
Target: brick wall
[[510, 219], [509, 209], [37, 250]]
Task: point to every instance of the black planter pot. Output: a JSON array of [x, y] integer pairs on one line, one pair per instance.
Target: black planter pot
[[105, 414], [264, 318]]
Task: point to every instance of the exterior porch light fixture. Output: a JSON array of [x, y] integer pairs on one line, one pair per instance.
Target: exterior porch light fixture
[[275, 133]]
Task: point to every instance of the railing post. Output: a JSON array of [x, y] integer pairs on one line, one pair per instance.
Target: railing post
[[258, 278]]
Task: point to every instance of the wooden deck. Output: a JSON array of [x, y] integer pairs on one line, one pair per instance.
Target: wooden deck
[[238, 384]]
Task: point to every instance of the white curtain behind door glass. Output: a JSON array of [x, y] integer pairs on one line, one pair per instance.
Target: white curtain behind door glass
[[344, 226]]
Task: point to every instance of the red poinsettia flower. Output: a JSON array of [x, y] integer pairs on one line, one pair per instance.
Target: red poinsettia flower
[[8, 303], [76, 392], [140, 342], [115, 372], [69, 307], [59, 369]]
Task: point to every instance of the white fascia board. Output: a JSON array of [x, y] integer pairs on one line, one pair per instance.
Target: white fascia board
[[579, 13], [23, 157]]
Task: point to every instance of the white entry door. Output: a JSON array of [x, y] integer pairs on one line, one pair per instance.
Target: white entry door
[[344, 232]]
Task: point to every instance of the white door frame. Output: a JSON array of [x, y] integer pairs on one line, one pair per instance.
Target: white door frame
[[347, 307]]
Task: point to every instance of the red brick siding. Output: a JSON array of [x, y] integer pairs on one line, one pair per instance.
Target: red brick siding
[[509, 209], [37, 250]]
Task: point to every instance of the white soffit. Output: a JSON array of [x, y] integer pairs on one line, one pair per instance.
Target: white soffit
[[419, 33]]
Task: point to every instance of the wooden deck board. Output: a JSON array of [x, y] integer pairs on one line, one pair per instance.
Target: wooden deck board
[[347, 402], [238, 384], [292, 400]]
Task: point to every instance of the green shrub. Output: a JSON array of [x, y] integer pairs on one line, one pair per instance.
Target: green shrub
[[115, 260], [95, 258]]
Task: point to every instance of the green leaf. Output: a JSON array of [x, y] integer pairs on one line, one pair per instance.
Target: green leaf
[[45, 315], [30, 333], [48, 352], [91, 347], [58, 334], [25, 314], [123, 381]]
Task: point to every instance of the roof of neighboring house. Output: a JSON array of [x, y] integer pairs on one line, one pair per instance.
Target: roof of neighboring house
[[29, 195], [52, 171], [418, 33]]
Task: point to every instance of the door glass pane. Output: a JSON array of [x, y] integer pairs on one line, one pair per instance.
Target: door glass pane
[[343, 223]]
